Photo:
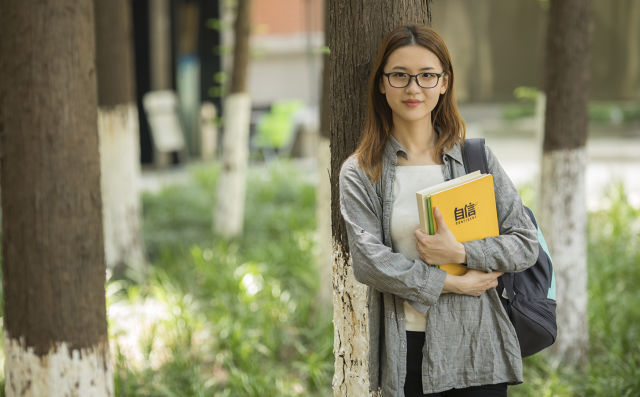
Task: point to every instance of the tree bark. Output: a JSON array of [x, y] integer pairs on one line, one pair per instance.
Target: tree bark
[[355, 29], [53, 254], [228, 217], [324, 244], [119, 141], [242, 32], [564, 160], [631, 80], [160, 44]]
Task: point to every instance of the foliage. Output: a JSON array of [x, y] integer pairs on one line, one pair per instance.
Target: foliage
[[275, 130], [239, 317], [613, 368]]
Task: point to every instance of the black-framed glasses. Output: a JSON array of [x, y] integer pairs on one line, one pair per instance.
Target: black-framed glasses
[[424, 80]]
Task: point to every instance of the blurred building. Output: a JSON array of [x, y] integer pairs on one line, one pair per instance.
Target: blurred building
[[185, 46]]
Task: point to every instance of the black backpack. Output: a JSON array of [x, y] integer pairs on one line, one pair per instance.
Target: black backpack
[[529, 297]]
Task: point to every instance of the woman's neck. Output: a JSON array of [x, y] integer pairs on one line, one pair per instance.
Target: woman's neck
[[419, 141]]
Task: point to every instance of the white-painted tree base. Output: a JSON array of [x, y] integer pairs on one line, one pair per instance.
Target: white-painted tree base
[[351, 332], [229, 212], [61, 373], [120, 179], [563, 219]]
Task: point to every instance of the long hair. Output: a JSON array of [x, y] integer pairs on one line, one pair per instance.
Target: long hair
[[445, 116]]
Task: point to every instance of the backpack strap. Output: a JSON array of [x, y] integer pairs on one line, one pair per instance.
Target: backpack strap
[[475, 158]]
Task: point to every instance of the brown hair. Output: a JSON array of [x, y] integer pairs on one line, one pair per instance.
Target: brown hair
[[445, 116]]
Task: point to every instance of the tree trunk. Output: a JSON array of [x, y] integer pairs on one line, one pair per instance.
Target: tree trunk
[[119, 141], [564, 160], [160, 44], [355, 29], [482, 70], [53, 255], [631, 80], [242, 33], [324, 244], [229, 212]]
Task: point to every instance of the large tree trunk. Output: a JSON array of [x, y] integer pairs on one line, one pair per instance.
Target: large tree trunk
[[119, 141], [53, 256], [564, 160], [355, 29], [229, 212]]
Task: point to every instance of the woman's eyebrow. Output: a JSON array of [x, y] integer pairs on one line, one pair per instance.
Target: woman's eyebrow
[[404, 68]]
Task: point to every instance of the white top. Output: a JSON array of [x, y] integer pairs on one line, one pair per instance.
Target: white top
[[405, 220]]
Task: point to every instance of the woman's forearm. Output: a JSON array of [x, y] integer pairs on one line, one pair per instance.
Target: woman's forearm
[[473, 283]]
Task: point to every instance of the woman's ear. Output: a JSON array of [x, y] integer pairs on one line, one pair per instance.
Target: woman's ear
[[445, 84], [381, 87]]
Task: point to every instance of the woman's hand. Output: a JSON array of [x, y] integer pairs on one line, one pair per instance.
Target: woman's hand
[[440, 248], [474, 282]]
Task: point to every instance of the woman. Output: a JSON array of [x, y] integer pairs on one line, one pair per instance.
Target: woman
[[431, 332]]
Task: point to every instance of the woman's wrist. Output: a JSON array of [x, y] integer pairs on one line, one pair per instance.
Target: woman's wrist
[[452, 284], [460, 254]]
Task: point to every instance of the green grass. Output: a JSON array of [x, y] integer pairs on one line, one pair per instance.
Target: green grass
[[250, 324]]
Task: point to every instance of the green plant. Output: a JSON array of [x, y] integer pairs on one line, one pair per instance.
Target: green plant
[[276, 128], [245, 309]]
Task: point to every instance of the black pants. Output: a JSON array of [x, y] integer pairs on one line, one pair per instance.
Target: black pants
[[413, 381]]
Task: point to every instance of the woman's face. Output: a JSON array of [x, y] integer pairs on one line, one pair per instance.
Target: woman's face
[[412, 103]]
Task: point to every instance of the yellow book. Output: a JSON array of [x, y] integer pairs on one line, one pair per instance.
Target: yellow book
[[468, 207]]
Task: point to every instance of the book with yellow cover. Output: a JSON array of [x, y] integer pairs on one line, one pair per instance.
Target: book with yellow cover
[[468, 207]]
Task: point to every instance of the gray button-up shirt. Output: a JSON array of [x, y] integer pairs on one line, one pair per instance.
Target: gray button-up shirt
[[469, 340]]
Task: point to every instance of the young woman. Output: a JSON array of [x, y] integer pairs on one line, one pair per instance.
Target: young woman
[[432, 333]]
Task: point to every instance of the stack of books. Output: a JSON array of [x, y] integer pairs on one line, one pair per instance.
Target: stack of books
[[468, 206]]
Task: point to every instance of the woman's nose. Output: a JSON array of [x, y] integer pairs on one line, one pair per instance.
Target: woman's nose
[[413, 84]]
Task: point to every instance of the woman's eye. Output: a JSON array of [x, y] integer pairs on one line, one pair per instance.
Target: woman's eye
[[399, 75], [427, 75]]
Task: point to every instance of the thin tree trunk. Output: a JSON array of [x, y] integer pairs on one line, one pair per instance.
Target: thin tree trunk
[[160, 44], [562, 204], [631, 80], [355, 29], [229, 212], [242, 33], [119, 141], [482, 70], [324, 244], [53, 255]]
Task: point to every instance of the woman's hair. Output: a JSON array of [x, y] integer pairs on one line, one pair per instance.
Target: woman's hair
[[445, 117]]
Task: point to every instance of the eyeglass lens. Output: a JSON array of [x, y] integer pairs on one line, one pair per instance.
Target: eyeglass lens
[[425, 80]]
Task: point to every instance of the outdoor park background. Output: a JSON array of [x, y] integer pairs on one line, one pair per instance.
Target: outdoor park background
[[250, 316]]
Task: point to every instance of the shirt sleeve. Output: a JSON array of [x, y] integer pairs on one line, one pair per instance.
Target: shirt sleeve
[[374, 263], [516, 248]]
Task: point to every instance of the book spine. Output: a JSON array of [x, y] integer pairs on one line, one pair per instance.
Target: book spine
[[430, 215], [422, 212]]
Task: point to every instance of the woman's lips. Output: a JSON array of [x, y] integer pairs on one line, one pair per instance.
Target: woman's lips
[[412, 103]]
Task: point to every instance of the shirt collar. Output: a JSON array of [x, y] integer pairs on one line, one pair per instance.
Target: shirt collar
[[455, 153], [393, 148]]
